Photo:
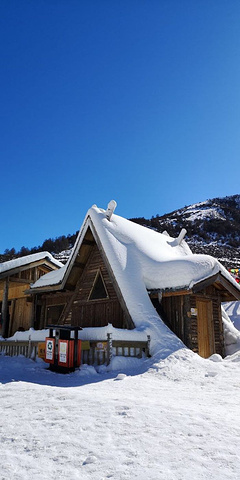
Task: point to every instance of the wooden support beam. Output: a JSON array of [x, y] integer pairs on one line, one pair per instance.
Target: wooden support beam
[[5, 314], [19, 280], [33, 312]]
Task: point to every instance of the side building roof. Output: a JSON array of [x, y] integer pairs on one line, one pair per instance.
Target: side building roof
[[11, 266]]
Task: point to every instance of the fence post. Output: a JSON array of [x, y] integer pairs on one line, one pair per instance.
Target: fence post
[[148, 346], [109, 348], [29, 346]]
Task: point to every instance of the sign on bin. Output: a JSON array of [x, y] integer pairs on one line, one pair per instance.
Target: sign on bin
[[63, 352], [49, 349]]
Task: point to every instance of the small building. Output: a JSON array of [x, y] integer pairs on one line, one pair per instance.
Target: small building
[[134, 278], [17, 309]]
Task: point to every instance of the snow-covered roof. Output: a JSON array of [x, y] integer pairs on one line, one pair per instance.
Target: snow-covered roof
[[24, 261], [134, 251]]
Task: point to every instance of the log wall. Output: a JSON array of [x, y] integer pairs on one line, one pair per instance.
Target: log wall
[[182, 317]]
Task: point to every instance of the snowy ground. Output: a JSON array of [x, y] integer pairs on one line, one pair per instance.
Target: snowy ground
[[177, 419]]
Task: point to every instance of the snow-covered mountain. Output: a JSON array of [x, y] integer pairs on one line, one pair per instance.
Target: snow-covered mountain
[[213, 227]]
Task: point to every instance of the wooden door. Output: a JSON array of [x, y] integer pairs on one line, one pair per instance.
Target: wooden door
[[206, 346]]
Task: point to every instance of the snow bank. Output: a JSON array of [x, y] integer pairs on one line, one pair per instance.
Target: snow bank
[[233, 311], [231, 334], [31, 334]]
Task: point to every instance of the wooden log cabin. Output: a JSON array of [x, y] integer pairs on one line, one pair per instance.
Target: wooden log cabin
[[17, 309], [133, 278]]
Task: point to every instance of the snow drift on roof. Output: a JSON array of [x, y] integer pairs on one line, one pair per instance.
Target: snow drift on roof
[[137, 252]]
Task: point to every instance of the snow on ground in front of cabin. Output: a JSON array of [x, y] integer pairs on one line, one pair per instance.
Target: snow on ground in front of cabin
[[171, 419]]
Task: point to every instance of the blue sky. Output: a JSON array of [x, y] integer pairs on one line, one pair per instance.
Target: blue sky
[[137, 101]]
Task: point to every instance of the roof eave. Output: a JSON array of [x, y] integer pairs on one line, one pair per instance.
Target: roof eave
[[218, 278]]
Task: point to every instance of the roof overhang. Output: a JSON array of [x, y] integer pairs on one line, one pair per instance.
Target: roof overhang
[[225, 288], [44, 262]]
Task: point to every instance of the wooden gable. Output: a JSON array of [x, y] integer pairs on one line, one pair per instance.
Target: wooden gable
[[78, 303]]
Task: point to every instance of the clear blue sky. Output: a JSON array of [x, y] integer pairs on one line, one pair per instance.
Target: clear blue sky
[[132, 100]]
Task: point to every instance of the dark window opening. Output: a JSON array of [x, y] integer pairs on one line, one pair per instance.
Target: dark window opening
[[99, 290], [53, 314]]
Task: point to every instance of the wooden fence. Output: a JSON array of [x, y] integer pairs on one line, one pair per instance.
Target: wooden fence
[[93, 352], [12, 348]]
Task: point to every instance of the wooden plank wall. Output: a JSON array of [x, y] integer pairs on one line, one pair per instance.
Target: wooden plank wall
[[96, 313], [85, 312], [20, 315], [182, 317]]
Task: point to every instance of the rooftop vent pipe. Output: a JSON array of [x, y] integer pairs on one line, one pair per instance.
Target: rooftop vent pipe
[[179, 239], [110, 209]]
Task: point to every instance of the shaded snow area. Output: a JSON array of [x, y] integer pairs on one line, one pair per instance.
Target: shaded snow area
[[233, 311], [175, 419]]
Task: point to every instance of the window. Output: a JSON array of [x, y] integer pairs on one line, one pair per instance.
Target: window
[[99, 290], [54, 313]]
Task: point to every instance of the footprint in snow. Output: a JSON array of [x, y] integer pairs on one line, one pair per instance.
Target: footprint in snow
[[90, 459], [120, 376]]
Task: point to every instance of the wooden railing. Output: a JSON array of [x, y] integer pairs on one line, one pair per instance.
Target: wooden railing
[[12, 348], [93, 352]]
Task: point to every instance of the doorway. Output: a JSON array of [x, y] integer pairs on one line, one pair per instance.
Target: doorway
[[206, 345]]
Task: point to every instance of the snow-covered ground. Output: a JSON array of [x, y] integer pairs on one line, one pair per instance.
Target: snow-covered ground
[[171, 419]]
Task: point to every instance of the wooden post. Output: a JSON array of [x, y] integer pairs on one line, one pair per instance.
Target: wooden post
[[5, 309], [148, 346], [33, 312], [109, 348]]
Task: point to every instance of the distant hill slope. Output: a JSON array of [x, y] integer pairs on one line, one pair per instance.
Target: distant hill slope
[[213, 227]]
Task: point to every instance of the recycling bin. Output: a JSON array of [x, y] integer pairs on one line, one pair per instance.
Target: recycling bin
[[63, 348]]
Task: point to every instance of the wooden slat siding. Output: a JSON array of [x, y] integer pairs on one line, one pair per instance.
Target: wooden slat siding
[[96, 313], [193, 326], [66, 316], [173, 309], [58, 298], [20, 315], [189, 334], [217, 322], [218, 328]]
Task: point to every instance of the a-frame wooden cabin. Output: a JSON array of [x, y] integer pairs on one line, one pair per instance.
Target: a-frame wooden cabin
[[124, 274], [87, 295], [17, 310]]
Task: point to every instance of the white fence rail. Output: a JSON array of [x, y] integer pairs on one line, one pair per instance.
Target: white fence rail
[[93, 352]]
